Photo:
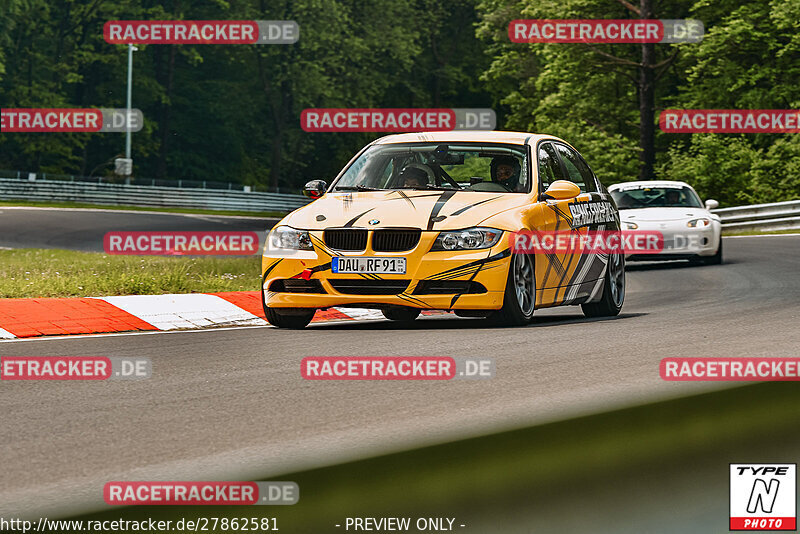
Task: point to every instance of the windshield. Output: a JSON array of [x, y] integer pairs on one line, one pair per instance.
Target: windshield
[[463, 166], [656, 197]]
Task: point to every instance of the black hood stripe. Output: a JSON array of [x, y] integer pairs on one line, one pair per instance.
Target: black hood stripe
[[437, 207], [465, 208], [406, 198], [352, 221]]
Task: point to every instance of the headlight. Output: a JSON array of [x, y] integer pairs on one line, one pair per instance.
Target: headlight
[[469, 239], [630, 225], [698, 223], [287, 237]]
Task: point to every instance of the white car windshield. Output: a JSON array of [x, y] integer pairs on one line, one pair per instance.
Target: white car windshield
[[656, 197], [448, 166]]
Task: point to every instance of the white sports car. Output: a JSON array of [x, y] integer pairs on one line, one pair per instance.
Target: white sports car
[[690, 230]]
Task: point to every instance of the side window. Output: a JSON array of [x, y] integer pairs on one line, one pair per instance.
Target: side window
[[577, 170], [549, 167]]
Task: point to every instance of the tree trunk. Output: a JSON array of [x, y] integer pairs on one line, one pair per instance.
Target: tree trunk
[[647, 153]]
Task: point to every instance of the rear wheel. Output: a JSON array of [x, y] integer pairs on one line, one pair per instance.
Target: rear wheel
[[401, 314], [294, 318], [520, 294], [613, 296]]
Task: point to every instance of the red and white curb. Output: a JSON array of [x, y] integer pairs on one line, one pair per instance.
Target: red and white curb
[[24, 318]]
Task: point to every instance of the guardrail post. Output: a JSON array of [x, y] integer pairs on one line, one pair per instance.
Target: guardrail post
[[204, 184]]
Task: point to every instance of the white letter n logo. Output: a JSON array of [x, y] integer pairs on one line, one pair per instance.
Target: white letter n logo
[[762, 494]]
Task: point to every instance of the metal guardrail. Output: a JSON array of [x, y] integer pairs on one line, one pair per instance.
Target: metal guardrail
[[148, 196], [761, 217], [777, 216], [183, 184]]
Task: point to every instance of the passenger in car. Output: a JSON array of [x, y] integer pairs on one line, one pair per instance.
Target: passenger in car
[[505, 171]]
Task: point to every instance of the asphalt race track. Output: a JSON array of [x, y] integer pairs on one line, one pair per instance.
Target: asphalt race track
[[228, 404], [83, 229]]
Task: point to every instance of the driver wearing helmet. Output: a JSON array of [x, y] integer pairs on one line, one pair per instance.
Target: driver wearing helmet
[[505, 171], [413, 177], [672, 197]]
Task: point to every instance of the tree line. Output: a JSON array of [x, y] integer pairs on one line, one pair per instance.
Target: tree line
[[232, 113]]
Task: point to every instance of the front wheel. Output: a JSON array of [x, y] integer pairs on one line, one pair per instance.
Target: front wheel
[[294, 318], [401, 315], [716, 259], [610, 303], [520, 293]]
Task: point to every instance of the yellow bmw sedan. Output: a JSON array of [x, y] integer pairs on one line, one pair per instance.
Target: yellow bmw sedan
[[427, 221]]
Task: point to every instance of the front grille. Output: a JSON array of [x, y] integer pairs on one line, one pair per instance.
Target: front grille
[[395, 240], [368, 287], [296, 285], [448, 287], [346, 239]]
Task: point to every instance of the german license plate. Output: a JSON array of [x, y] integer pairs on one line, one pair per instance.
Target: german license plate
[[368, 265]]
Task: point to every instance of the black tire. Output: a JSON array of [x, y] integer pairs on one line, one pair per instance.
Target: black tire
[[472, 314], [519, 300], [716, 259], [401, 314], [613, 296], [293, 318]]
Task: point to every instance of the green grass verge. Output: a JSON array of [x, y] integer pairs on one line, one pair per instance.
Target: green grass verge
[[67, 273], [759, 232], [504, 475], [26, 204]]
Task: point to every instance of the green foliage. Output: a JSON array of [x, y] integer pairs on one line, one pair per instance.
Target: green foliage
[[232, 113], [748, 59]]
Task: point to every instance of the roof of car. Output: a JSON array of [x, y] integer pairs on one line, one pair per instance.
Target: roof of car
[[463, 136], [647, 183]]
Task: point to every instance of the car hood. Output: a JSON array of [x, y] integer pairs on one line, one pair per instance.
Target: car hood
[[664, 214], [427, 210]]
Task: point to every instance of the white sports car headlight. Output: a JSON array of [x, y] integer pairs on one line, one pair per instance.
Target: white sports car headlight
[[469, 239], [629, 225], [291, 238], [698, 223]]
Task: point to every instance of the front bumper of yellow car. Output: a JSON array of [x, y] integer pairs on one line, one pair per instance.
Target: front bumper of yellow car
[[459, 280]]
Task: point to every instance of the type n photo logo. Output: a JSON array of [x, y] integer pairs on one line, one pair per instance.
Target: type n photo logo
[[763, 497]]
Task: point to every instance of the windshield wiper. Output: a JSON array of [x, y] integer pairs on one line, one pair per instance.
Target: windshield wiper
[[356, 188], [437, 188]]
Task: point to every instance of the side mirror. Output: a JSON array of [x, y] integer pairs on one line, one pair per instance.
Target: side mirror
[[561, 190], [711, 204], [315, 189]]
